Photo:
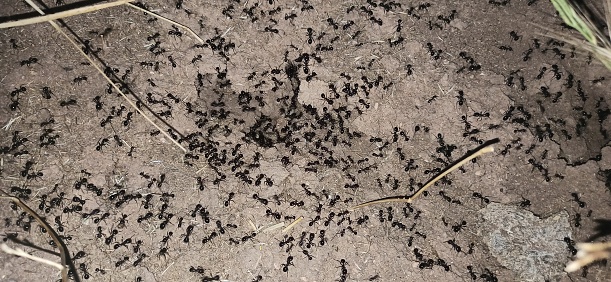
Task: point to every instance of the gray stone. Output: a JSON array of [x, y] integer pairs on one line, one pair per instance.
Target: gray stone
[[532, 247]]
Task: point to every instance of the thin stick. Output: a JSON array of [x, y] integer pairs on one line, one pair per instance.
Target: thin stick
[[585, 260], [486, 148], [107, 78], [593, 247], [167, 20], [63, 250], [292, 224], [273, 227], [63, 14], [19, 252]]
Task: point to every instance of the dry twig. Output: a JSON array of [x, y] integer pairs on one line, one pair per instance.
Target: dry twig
[[485, 148], [64, 253], [588, 253]]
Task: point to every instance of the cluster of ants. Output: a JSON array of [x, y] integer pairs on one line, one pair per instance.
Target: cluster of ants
[[322, 135]]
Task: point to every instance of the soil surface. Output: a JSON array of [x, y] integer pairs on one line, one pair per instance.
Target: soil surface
[[301, 109]]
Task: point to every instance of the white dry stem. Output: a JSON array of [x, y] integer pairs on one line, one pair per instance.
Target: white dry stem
[[585, 260], [130, 102], [10, 123], [19, 252], [273, 227], [292, 225], [589, 253], [168, 20], [593, 247], [64, 14]]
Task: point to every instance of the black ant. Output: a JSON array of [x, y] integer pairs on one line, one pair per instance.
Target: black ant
[[231, 195], [29, 61], [285, 266], [172, 62], [570, 245], [578, 200], [481, 115], [310, 35], [557, 72], [527, 54], [21, 89], [139, 259], [541, 73], [598, 80], [125, 242], [461, 97], [290, 16], [455, 246], [79, 79], [101, 144], [482, 198], [514, 36], [525, 203], [13, 43], [459, 226], [70, 102], [577, 220], [175, 32]]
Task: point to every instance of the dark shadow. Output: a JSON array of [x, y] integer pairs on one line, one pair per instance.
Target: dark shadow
[[13, 238], [602, 229]]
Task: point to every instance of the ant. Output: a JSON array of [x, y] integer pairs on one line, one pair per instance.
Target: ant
[[175, 32], [456, 228], [557, 72], [541, 73], [570, 245], [139, 259], [172, 62], [461, 97], [70, 102], [101, 144], [79, 79], [285, 266], [482, 198], [29, 61], [13, 43], [481, 115], [163, 252], [125, 242], [598, 80], [455, 246], [21, 89], [576, 198], [506, 48], [527, 54], [96, 100], [525, 203], [310, 35], [514, 36], [578, 220]]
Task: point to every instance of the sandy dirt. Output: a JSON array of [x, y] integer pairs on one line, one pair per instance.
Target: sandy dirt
[[295, 109]]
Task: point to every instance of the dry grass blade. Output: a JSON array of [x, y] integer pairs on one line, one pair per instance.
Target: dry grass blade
[[64, 14], [167, 20], [19, 252], [63, 250], [589, 253], [485, 148], [597, 42], [292, 225], [107, 78]]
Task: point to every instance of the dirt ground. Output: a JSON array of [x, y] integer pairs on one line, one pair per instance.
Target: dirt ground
[[300, 109]]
